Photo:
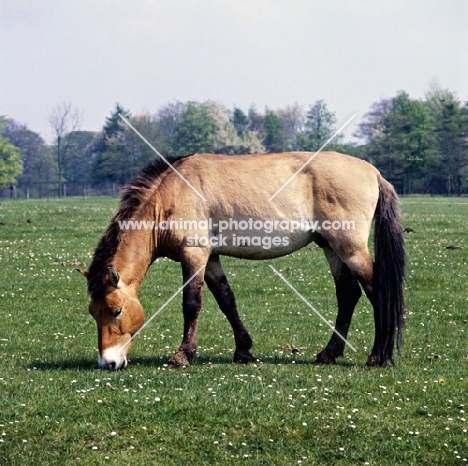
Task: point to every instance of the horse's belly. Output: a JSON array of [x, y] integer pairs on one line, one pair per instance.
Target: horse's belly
[[260, 246]]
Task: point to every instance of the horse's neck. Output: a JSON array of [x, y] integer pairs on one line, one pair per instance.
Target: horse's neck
[[134, 256]]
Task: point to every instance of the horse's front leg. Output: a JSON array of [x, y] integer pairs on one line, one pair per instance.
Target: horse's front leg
[[218, 284], [192, 300]]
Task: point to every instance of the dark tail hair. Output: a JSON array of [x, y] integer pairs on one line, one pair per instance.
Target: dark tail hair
[[389, 274]]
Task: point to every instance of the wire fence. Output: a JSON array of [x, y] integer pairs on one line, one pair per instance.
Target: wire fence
[[51, 190]]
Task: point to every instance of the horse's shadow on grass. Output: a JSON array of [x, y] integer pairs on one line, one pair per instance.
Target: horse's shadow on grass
[[83, 364], [272, 361], [64, 365]]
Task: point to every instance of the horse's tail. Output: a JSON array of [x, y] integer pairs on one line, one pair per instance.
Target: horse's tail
[[389, 274]]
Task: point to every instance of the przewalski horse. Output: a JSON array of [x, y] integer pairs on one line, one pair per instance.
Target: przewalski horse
[[212, 193]]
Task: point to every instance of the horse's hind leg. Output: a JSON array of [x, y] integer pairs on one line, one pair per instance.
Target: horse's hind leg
[[218, 284], [348, 293]]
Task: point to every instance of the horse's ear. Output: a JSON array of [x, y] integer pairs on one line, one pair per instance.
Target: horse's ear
[[114, 277], [83, 272]]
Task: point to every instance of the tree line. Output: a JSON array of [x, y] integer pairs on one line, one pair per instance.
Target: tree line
[[420, 145]]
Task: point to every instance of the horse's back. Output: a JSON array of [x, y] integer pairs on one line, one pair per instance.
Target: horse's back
[[328, 181], [271, 171]]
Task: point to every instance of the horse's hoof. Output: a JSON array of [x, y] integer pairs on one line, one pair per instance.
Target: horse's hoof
[[374, 361], [178, 360], [325, 358], [243, 357]]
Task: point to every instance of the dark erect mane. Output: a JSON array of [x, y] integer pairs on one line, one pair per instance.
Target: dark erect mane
[[132, 197]]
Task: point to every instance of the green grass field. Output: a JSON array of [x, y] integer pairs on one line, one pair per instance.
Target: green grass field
[[57, 408]]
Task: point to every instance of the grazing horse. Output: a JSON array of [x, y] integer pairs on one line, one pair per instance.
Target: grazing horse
[[204, 206]]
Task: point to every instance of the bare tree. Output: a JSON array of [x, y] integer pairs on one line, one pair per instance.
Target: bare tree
[[64, 121], [292, 120]]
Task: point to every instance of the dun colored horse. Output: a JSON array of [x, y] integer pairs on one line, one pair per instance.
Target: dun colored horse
[[205, 206]]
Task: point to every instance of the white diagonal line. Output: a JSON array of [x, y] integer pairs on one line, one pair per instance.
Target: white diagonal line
[[313, 308], [311, 158], [164, 305], [165, 160]]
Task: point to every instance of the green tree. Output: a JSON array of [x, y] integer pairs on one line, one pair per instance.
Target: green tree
[[410, 136], [138, 153], [126, 152], [114, 123], [352, 148], [109, 152], [79, 165], [10, 161], [273, 133], [451, 135], [319, 127], [256, 120], [167, 118], [38, 165], [195, 132], [400, 139], [240, 122], [228, 141]]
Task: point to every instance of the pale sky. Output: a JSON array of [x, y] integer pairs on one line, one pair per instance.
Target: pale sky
[[145, 54]]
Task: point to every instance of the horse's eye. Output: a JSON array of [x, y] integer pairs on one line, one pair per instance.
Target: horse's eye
[[118, 312]]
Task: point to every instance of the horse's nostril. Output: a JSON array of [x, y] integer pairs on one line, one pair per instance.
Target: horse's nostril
[[111, 366]]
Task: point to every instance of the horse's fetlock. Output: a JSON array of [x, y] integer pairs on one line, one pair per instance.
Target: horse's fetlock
[[244, 341]]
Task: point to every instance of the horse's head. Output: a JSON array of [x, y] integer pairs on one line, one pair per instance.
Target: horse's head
[[118, 315]]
